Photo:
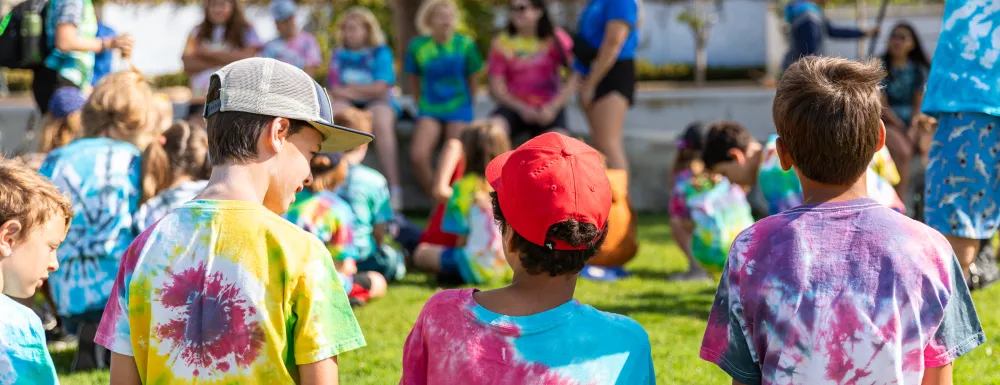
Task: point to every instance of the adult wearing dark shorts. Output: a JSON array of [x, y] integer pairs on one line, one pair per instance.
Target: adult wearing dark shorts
[[525, 66], [71, 32], [604, 48]]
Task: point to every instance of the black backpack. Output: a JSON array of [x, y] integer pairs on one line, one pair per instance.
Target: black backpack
[[23, 37]]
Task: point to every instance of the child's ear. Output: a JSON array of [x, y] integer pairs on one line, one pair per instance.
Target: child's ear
[[786, 158], [737, 156], [881, 135], [8, 231], [275, 134]]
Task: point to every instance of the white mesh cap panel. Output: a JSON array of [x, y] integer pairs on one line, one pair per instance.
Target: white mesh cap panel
[[269, 87]]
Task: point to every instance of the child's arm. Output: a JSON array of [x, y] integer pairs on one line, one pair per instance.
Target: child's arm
[[124, 370], [451, 154], [322, 372], [937, 376]]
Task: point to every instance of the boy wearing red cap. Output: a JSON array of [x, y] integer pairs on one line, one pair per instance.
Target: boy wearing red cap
[[551, 201]]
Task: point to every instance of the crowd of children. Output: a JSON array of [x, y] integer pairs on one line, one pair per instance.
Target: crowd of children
[[234, 252]]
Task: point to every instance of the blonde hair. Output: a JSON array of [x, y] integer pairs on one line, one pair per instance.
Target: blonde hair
[[427, 9], [330, 179], [376, 37], [181, 150], [29, 198], [58, 132], [483, 141], [119, 108], [355, 119]]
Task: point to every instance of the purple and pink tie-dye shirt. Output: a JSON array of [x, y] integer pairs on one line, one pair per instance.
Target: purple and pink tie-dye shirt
[[457, 341], [877, 303], [531, 67], [301, 51]]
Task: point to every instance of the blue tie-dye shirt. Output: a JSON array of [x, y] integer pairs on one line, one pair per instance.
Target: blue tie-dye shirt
[[966, 59], [23, 356], [844, 292], [101, 176], [367, 191], [457, 341]]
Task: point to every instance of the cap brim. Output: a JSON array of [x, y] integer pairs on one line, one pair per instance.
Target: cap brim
[[337, 138], [495, 168]]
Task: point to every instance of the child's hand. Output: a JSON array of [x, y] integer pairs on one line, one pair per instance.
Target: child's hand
[[546, 115], [349, 267], [528, 114]]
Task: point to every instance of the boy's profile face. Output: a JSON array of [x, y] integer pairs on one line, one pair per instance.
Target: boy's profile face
[[289, 171], [32, 256], [738, 170]]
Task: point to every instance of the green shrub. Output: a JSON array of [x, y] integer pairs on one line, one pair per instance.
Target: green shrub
[[177, 79], [18, 80], [646, 71]]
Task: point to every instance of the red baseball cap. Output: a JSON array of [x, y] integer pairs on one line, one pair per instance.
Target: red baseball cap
[[550, 179]]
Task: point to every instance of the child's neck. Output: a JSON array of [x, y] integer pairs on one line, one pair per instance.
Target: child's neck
[[755, 156], [815, 192], [441, 37], [355, 157], [529, 294], [180, 179], [237, 183]]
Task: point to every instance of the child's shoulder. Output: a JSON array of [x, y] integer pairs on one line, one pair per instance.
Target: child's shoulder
[[450, 298], [419, 41], [17, 319], [367, 174], [628, 330]]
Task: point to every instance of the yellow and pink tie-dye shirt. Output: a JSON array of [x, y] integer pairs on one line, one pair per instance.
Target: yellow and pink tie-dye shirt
[[227, 292], [531, 68]]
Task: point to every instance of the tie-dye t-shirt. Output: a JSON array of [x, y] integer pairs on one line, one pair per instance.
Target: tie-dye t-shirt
[[531, 67], [159, 206], [361, 67], [200, 81], [782, 190], [965, 60], [876, 304], [101, 176], [367, 191], [720, 212], [444, 70], [24, 359], [457, 341], [227, 292], [301, 51], [327, 216], [469, 215]]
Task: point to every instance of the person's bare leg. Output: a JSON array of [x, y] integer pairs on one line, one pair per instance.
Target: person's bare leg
[[386, 147], [901, 149], [607, 122], [427, 257], [454, 129], [379, 285], [338, 105], [424, 140], [499, 121], [966, 250]]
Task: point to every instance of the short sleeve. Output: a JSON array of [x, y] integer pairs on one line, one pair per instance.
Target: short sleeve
[[381, 204], [69, 12], [726, 343], [410, 64], [114, 331], [324, 323], [341, 243], [496, 60], [415, 354], [960, 330], [456, 211], [312, 55], [622, 10], [473, 60], [383, 67], [564, 43]]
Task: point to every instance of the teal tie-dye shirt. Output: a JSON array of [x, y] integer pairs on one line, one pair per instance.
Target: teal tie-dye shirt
[[75, 66], [24, 358], [444, 70]]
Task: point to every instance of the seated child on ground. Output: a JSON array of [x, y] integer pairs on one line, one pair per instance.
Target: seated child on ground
[[367, 191], [478, 258], [34, 217], [278, 313], [706, 211], [101, 173], [320, 211], [842, 289], [551, 202], [174, 169], [732, 152]]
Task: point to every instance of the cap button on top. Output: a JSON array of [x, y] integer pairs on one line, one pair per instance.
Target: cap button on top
[[565, 152], [593, 189]]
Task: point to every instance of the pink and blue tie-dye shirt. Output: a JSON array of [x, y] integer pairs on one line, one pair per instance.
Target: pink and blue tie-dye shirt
[[531, 67], [782, 190], [845, 292], [457, 341], [469, 213], [227, 292], [301, 51]]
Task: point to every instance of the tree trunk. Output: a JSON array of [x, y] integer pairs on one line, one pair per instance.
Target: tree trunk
[[700, 61], [403, 14]]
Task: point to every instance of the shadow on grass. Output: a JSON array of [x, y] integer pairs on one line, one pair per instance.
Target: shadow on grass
[[695, 304], [63, 359]]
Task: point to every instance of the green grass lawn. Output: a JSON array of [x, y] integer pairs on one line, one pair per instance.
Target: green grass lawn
[[674, 315]]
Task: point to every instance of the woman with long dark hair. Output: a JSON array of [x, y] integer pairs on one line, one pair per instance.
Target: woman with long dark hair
[[525, 71], [225, 36], [907, 67]]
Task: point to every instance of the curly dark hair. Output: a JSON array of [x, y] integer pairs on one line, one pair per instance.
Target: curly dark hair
[[722, 137], [538, 259]]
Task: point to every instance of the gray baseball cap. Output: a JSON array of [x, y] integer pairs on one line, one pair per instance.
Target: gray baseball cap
[[270, 87]]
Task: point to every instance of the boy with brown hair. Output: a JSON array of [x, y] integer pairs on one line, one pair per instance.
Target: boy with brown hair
[[841, 289], [34, 217], [223, 289]]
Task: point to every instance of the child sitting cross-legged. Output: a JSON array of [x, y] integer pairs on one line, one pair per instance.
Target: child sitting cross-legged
[[551, 201], [319, 210], [841, 289], [34, 217]]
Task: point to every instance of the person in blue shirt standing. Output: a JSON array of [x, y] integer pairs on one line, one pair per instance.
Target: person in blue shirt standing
[[962, 190], [104, 60], [604, 48], [808, 28]]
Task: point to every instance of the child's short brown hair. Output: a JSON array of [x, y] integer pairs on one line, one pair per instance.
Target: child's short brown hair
[[827, 113], [28, 197]]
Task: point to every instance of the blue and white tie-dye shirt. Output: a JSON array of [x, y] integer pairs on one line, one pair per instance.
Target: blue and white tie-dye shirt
[[24, 358], [877, 303], [457, 341], [101, 176], [966, 59]]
